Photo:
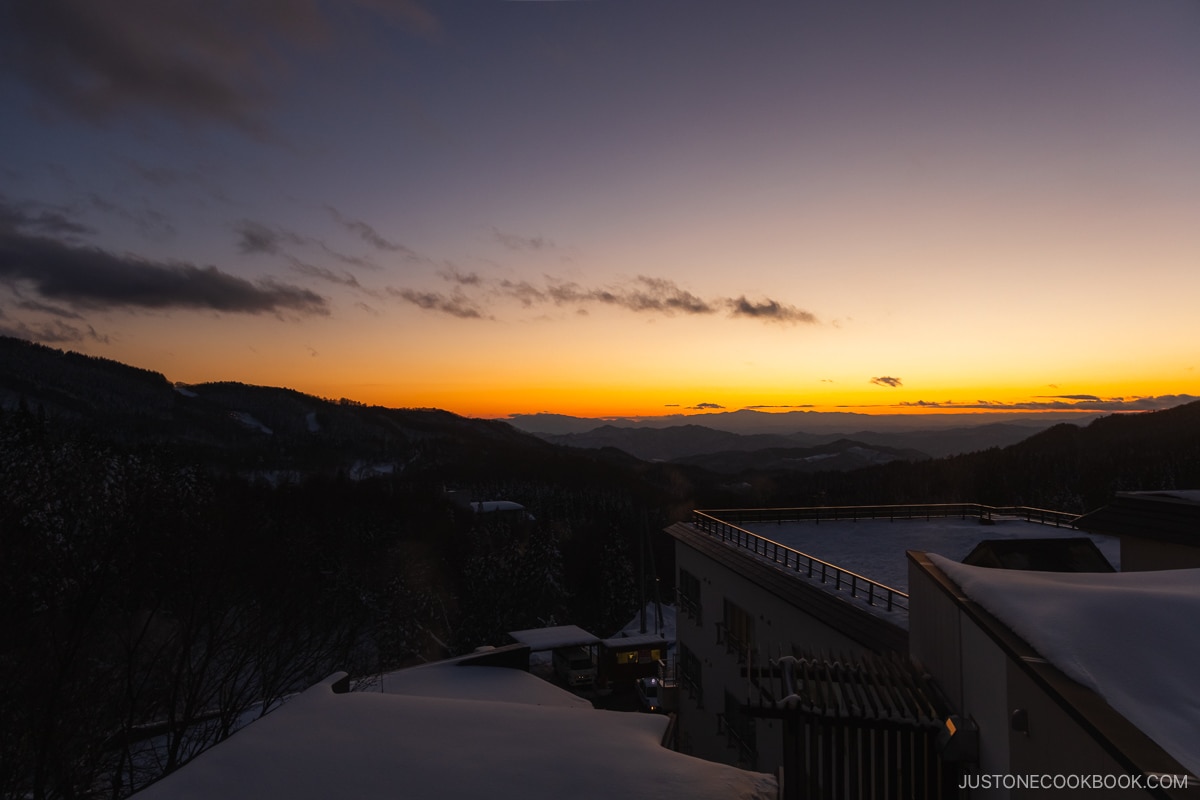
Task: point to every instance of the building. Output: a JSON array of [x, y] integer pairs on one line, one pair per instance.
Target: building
[[751, 608], [1157, 530]]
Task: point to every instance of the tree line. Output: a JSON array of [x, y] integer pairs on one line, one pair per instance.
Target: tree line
[[153, 605]]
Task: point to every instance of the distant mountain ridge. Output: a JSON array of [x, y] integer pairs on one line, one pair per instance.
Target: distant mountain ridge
[[246, 426], [684, 443], [841, 423], [261, 431], [667, 444], [840, 456]]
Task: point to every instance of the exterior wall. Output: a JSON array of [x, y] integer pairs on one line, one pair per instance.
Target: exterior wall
[[1139, 555], [1055, 744], [934, 636], [986, 675], [778, 625]]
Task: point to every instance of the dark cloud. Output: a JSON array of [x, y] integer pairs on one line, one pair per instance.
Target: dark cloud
[[456, 305], [887, 380], [771, 310], [1090, 397], [212, 60], [521, 243], [93, 278], [706, 407]]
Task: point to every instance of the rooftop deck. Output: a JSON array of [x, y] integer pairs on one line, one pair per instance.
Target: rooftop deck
[[859, 550]]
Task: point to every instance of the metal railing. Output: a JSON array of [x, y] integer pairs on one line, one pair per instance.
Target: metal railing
[[743, 741], [871, 592], [720, 523], [817, 514]]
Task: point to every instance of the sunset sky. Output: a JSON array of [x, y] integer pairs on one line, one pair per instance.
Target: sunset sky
[[613, 207]]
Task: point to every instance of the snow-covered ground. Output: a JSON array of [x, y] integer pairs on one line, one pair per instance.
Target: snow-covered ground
[[875, 548], [249, 421], [445, 731], [1129, 636]]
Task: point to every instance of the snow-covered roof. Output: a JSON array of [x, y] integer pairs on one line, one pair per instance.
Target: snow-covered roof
[[370, 745], [874, 548], [488, 506], [628, 640], [479, 683], [555, 637], [1128, 636], [652, 610]]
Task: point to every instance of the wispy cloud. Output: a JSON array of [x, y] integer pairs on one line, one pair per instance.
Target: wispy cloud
[[255, 237], [456, 305], [887, 380], [183, 58], [38, 218], [801, 405], [706, 407], [341, 278], [55, 331], [521, 243], [148, 222], [369, 235], [47, 308], [642, 295], [1064, 403], [452, 275]]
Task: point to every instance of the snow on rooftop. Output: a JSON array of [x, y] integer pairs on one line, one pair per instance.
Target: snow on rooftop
[[479, 683], [555, 637], [628, 640], [666, 631], [371, 745], [1129, 636], [875, 548]]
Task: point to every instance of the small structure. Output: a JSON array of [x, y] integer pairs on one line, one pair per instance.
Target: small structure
[[571, 649], [1157, 530], [625, 658], [1073, 554]]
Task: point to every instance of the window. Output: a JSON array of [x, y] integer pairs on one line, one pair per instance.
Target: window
[[689, 596], [738, 630], [689, 675], [646, 655], [739, 730]]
